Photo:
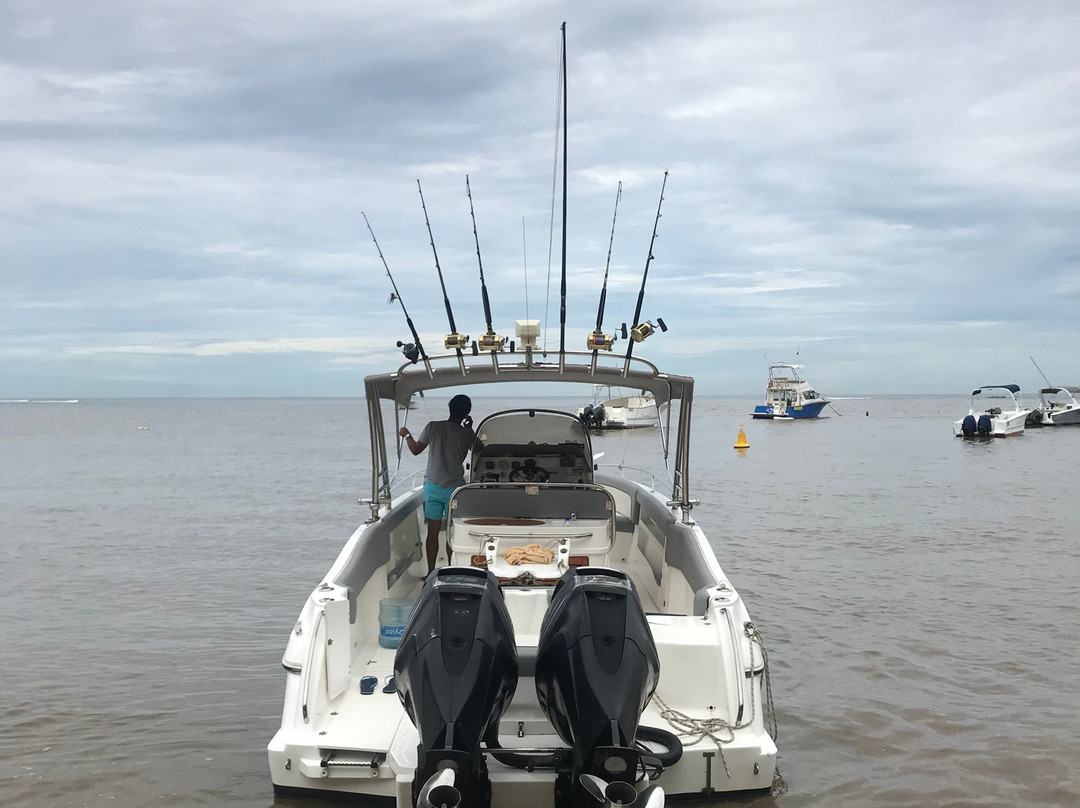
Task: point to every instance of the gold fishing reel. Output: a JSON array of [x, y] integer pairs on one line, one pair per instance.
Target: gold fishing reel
[[491, 342], [456, 342], [598, 341], [643, 331]]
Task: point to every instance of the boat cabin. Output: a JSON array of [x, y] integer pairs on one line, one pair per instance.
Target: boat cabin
[[532, 446], [531, 483]]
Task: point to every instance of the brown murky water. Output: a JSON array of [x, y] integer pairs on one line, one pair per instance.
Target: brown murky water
[[917, 592]]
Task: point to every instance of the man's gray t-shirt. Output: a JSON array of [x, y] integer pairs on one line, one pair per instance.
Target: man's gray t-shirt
[[447, 445]]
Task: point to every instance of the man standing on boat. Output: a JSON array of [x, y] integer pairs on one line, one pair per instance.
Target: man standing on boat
[[450, 442]]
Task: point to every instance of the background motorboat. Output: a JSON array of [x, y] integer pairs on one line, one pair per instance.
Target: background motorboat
[[788, 395], [995, 413], [1060, 406], [620, 412]]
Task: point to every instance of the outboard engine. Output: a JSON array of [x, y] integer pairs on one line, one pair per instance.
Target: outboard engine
[[456, 671], [968, 427], [986, 425], [598, 415], [596, 669]]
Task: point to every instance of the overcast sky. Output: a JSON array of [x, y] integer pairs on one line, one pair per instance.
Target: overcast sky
[[890, 189]]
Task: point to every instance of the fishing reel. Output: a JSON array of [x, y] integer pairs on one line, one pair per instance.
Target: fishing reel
[[598, 341], [456, 342], [411, 351], [643, 331], [491, 342]]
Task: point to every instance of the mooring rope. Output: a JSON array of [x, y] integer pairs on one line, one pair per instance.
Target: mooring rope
[[722, 732]]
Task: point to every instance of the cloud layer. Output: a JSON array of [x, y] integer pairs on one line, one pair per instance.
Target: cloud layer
[[891, 188]]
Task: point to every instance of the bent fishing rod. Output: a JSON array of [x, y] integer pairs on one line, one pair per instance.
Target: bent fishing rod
[[640, 331], [454, 341], [489, 341], [413, 351]]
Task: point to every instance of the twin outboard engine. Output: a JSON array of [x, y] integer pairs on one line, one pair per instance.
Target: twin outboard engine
[[968, 427], [456, 671], [592, 416], [986, 425], [596, 669]]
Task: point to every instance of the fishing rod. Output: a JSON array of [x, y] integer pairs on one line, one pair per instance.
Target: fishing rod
[[641, 331], [489, 341], [454, 341], [598, 340], [413, 350], [1036, 364]]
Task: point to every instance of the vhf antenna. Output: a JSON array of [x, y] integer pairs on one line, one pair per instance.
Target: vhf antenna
[[489, 341], [642, 331], [454, 341], [413, 350], [598, 340], [562, 293]]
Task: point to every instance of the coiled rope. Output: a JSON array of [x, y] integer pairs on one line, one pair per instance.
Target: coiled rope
[[722, 732]]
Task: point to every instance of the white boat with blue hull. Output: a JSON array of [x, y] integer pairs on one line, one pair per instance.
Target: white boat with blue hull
[[621, 660], [788, 395]]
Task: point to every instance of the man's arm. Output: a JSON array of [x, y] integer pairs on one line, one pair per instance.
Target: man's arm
[[415, 446]]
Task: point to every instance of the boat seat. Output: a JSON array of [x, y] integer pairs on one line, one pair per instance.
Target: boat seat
[[573, 519]]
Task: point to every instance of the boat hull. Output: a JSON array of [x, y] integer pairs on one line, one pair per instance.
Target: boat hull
[[785, 412], [1063, 417], [1001, 427], [336, 738]]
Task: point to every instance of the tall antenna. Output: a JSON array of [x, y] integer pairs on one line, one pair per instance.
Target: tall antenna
[[525, 266], [454, 341], [641, 331], [489, 341], [562, 294], [414, 350]]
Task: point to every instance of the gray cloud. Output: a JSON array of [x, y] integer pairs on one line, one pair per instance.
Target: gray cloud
[[880, 185]]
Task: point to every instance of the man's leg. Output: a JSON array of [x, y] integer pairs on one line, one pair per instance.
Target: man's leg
[[433, 526]]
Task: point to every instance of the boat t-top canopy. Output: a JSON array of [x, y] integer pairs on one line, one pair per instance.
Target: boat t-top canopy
[[1012, 388], [574, 367], [400, 386]]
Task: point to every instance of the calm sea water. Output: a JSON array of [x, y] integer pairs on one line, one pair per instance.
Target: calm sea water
[[917, 593]]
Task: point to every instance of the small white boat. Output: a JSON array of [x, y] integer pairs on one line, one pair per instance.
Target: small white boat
[[995, 413], [788, 395], [622, 412], [1060, 406]]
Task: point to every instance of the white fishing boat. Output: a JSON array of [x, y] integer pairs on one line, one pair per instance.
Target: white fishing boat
[[995, 412], [620, 412], [622, 658], [788, 395], [578, 643], [1059, 405]]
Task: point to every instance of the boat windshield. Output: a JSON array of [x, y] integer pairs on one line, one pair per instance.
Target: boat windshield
[[532, 426]]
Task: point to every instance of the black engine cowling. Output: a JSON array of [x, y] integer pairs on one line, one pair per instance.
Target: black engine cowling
[[596, 669], [456, 671]]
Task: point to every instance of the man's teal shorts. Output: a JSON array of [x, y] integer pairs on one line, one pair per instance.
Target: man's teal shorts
[[436, 499]]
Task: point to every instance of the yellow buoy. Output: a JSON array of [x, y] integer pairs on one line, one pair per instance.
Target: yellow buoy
[[741, 442]]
